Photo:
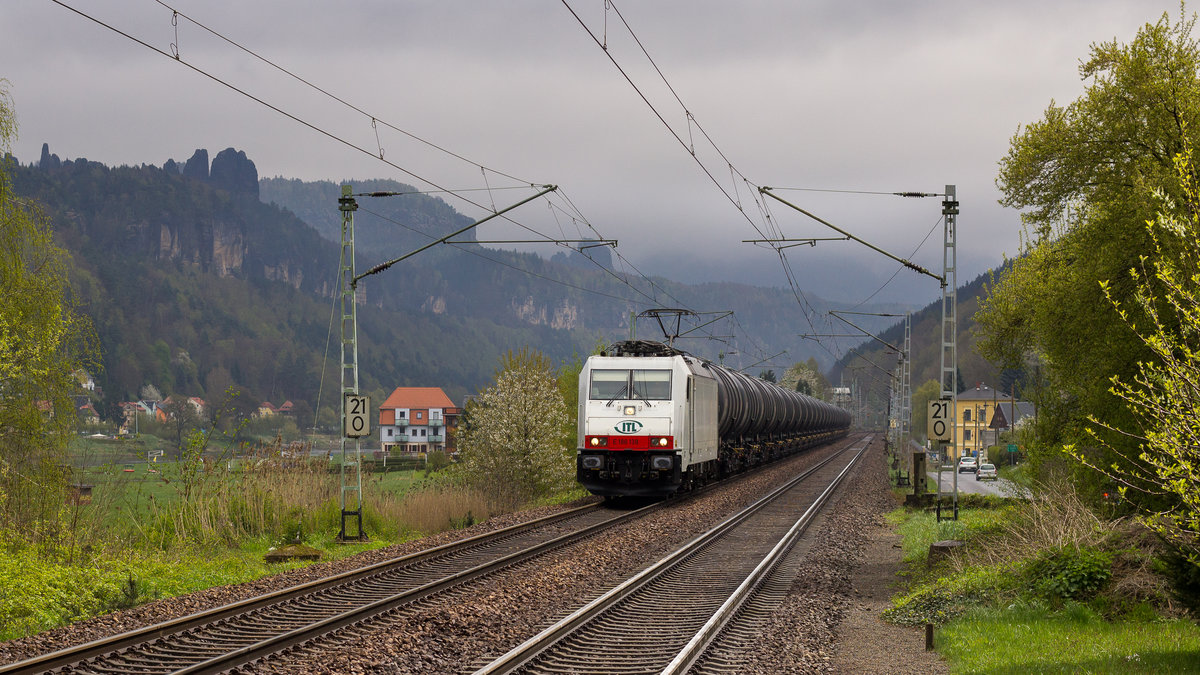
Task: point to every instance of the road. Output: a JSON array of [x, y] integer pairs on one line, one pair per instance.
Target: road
[[968, 485]]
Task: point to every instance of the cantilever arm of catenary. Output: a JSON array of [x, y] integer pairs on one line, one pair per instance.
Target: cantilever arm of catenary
[[907, 263], [383, 266]]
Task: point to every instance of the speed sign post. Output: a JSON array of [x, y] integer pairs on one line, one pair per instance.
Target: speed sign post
[[941, 431], [357, 422], [939, 420]]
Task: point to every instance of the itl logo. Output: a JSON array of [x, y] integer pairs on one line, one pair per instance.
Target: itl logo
[[628, 427]]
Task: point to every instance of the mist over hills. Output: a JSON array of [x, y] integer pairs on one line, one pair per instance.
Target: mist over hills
[[200, 276]]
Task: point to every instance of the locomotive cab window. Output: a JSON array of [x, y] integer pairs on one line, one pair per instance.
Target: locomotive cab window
[[608, 384], [652, 385], [649, 385]]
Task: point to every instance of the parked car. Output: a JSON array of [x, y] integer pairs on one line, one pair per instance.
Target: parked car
[[967, 464], [986, 472]]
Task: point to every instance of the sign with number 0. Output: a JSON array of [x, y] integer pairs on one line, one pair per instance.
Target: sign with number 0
[[358, 420], [939, 420]]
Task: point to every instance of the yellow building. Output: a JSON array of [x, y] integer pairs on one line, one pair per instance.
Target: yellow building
[[977, 426]]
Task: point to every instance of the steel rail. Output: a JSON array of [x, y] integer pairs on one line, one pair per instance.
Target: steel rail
[[525, 653], [695, 648], [302, 635], [158, 636], [165, 629]]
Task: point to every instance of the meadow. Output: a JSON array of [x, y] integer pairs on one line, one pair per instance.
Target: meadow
[[136, 527]]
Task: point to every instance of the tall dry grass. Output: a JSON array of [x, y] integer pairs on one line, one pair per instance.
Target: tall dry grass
[[1057, 517], [433, 509], [268, 493], [1054, 516], [278, 492]]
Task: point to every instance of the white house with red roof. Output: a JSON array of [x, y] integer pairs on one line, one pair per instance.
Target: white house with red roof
[[418, 419]]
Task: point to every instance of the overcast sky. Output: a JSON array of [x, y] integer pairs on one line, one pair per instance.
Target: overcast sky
[[871, 96]]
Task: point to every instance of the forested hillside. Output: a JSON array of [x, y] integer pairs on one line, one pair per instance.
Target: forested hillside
[[196, 284], [194, 288], [926, 345]]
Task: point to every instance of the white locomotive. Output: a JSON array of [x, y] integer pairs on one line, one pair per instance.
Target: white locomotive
[[653, 420]]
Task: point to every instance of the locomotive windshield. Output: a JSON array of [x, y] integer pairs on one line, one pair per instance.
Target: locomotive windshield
[[647, 385]]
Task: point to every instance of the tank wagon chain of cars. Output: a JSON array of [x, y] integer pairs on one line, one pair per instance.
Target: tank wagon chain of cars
[[654, 420]]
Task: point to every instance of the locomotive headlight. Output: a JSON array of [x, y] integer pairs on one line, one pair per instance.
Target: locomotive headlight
[[661, 463], [630, 410], [660, 441], [592, 461]]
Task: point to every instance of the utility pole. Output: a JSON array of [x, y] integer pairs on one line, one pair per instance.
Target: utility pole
[[906, 380], [356, 408], [949, 377], [350, 495]]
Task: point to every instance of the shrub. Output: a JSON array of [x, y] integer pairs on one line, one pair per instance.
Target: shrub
[[1184, 576], [438, 460], [946, 598], [1069, 572]]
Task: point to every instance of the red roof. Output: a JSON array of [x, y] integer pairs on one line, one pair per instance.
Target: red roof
[[417, 397]]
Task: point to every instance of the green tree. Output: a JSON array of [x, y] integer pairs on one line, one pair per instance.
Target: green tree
[[511, 446], [42, 341], [568, 388], [767, 376], [1163, 395], [1084, 175]]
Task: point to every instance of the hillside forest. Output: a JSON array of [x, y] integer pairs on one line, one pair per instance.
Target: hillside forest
[[199, 279]]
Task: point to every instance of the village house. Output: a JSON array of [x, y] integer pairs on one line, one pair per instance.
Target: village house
[[982, 414], [86, 412], [418, 420], [268, 409]]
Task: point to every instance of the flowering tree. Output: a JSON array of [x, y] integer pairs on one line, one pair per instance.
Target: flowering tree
[[511, 444]]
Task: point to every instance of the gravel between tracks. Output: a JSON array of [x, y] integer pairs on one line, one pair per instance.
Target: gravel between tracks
[[828, 624]]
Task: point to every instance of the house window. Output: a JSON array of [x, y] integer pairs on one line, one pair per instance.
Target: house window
[[418, 415], [966, 434], [389, 433]]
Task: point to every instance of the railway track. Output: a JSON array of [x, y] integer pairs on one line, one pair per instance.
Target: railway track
[[664, 619], [225, 637]]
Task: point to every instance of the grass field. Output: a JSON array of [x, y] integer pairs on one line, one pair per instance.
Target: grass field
[[155, 529], [135, 486], [1021, 640]]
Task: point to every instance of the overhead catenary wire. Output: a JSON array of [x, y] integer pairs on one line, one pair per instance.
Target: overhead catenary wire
[[376, 153], [901, 267], [689, 145], [628, 78], [294, 117], [330, 95]]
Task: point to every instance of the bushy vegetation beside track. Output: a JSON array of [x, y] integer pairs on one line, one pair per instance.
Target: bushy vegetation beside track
[[157, 530], [1035, 575], [46, 589]]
